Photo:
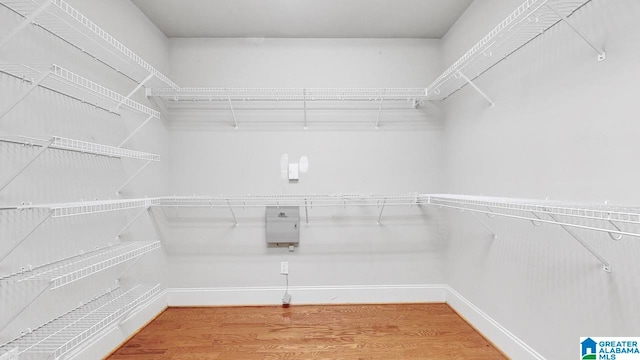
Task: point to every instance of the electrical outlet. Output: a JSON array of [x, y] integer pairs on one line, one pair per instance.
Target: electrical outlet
[[284, 268], [10, 355]]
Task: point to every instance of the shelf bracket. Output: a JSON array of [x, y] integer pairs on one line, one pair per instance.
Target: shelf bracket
[[141, 84], [232, 213], [233, 114], [306, 211], [25, 307], [381, 210], [133, 177], [34, 84], [135, 218], [605, 264], [15, 246], [611, 235], [25, 166], [379, 113], [304, 99], [601, 54], [25, 22], [493, 234], [135, 131], [463, 76]]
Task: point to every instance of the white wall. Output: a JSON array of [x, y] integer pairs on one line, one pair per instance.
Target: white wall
[[564, 127], [60, 176], [338, 247]]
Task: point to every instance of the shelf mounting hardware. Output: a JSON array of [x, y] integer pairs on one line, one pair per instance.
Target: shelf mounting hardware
[[130, 94], [233, 113], [25, 166], [15, 246], [613, 236], [136, 131], [493, 234], [133, 220], [25, 306], [34, 84], [379, 113], [304, 99], [25, 22], [235, 220], [381, 210], [473, 85], [601, 54], [605, 264], [133, 177], [306, 211]]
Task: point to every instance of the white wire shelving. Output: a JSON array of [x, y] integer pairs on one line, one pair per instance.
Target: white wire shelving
[[288, 94], [61, 80], [304, 201], [64, 333], [67, 23], [616, 221], [91, 207], [66, 144], [66, 271], [528, 21]]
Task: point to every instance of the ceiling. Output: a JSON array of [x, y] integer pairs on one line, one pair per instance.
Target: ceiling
[[304, 18]]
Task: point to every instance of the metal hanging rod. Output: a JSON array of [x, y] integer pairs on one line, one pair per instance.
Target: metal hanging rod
[[288, 94], [64, 333], [60, 19], [63, 81], [531, 19]]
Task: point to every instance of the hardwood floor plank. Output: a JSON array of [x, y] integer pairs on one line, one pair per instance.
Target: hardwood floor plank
[[349, 332]]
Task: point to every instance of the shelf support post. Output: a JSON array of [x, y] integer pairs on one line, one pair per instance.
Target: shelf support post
[[15, 246], [605, 264], [26, 21], [233, 113], [304, 99], [135, 131], [601, 54], [25, 307], [460, 74], [493, 234], [25, 166], [232, 213], [133, 177], [306, 211], [141, 84], [135, 218], [379, 113], [381, 210], [34, 84]]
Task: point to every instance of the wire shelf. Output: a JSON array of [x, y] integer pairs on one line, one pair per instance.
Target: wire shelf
[[63, 81], [601, 217], [66, 271], [91, 207], [290, 200], [527, 22], [65, 22], [64, 333], [61, 143], [289, 94]]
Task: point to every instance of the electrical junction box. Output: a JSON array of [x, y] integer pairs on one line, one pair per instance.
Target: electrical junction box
[[283, 225]]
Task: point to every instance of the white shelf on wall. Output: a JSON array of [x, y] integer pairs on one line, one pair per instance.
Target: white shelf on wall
[[288, 94], [66, 271], [65, 22], [616, 221], [528, 21], [91, 207], [66, 332], [317, 200], [63, 81]]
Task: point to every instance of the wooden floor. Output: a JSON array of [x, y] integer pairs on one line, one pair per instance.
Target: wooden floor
[[407, 331]]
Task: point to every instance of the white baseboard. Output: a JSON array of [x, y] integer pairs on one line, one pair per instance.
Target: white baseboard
[[111, 339], [506, 341], [302, 295]]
